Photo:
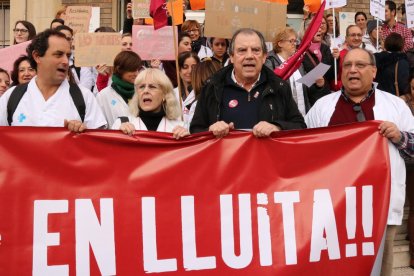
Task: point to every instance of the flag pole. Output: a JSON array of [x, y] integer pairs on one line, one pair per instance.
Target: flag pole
[[177, 70], [334, 36], [377, 34]]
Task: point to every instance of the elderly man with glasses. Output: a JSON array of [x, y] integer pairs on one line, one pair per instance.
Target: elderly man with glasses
[[359, 100]]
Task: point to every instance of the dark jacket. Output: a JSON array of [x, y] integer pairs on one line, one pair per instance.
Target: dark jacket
[[311, 59], [278, 106], [386, 71], [311, 94]]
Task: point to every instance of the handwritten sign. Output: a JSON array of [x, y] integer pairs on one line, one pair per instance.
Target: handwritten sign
[[9, 54], [409, 9], [153, 44], [141, 9], [223, 17], [335, 4], [96, 48], [377, 9], [78, 18]]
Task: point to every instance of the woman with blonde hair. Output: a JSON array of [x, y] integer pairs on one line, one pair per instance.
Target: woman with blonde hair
[[153, 106], [284, 46]]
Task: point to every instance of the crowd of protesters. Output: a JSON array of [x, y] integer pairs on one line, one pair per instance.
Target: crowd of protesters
[[220, 85]]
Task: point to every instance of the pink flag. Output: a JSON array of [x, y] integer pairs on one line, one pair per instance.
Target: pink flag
[[158, 12], [292, 64]]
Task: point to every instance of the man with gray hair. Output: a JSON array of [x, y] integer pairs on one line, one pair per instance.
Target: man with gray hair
[[358, 101], [246, 94]]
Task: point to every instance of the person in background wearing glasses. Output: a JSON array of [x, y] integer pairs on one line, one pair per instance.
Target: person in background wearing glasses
[[359, 100], [198, 43], [353, 39], [246, 94], [393, 66], [23, 31], [284, 46], [22, 71], [153, 107]]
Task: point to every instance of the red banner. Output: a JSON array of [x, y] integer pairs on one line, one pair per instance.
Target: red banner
[[287, 68], [313, 201]]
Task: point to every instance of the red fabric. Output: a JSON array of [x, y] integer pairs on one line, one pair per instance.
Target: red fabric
[[158, 12], [293, 63], [108, 174], [102, 81]]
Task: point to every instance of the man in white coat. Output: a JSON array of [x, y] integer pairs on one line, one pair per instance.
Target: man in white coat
[[359, 100]]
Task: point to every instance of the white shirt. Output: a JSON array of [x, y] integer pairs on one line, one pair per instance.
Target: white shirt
[[34, 110], [297, 89], [387, 108], [204, 52], [166, 125], [112, 104], [188, 112]]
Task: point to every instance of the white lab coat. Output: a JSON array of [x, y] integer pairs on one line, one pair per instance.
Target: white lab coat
[[387, 108]]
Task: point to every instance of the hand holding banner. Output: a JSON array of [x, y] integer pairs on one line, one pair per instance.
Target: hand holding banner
[[110, 204]]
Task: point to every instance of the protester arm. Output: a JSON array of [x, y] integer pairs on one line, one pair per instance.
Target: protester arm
[[102, 81]]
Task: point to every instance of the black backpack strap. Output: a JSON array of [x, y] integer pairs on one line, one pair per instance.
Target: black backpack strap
[[124, 119], [78, 99], [14, 101]]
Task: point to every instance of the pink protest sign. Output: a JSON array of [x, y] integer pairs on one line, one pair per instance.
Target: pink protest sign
[[153, 44], [9, 54]]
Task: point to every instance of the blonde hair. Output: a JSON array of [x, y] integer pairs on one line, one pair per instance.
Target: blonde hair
[[171, 106], [284, 34]]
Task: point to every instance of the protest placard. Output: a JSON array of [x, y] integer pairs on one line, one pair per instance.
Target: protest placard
[[223, 18], [197, 4], [176, 11], [78, 18], [331, 4], [95, 21], [346, 19], [409, 12], [153, 44], [96, 48], [140, 9], [377, 9], [9, 54]]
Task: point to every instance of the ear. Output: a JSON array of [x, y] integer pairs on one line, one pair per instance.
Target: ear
[[231, 59], [36, 56], [374, 71]]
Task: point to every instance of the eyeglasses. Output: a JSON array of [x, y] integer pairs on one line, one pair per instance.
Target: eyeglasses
[[360, 114], [356, 35], [192, 31], [70, 39], [358, 65], [23, 31], [292, 41]]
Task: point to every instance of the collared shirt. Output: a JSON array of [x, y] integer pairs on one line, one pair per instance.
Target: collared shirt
[[344, 112], [233, 77], [399, 29]]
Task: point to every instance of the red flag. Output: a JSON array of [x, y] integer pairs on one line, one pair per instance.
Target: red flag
[[158, 12], [292, 64]]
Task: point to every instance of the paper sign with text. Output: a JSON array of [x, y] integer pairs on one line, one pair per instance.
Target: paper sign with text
[[140, 9], [78, 18], [153, 44], [92, 49], [377, 9]]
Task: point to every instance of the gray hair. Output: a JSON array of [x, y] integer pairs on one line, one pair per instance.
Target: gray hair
[[369, 53], [171, 105], [247, 31]]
